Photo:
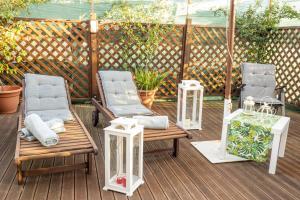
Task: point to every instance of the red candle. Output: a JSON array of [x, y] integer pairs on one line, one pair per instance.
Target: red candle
[[119, 180], [124, 181]]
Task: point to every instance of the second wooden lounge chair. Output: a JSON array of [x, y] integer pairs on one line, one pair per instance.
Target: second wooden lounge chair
[[119, 98]]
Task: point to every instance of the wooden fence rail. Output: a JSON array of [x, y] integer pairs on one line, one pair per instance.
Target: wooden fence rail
[[67, 48]]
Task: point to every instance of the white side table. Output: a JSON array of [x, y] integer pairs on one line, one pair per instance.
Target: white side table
[[279, 130]]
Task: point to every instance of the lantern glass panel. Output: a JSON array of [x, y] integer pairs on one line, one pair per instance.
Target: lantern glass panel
[[192, 109], [136, 158], [117, 157]]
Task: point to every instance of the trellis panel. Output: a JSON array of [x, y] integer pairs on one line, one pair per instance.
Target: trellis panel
[[208, 58], [284, 51], [62, 47], [55, 47], [167, 58]]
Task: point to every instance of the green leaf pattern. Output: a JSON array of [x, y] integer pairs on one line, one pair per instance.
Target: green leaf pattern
[[250, 137]]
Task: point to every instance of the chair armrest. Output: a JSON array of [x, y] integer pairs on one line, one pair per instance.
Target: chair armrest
[[241, 86], [280, 92], [107, 114], [280, 88]]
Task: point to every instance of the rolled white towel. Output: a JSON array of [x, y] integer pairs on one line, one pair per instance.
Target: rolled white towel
[[40, 130], [153, 122], [57, 125]]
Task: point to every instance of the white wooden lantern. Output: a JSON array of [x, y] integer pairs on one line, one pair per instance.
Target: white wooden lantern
[[189, 105], [123, 155], [249, 105]]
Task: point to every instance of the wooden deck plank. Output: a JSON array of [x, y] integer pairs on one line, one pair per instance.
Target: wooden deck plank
[[31, 183], [43, 182], [189, 176], [67, 192], [187, 181], [99, 159], [161, 180], [80, 180], [15, 189], [7, 180], [56, 181]]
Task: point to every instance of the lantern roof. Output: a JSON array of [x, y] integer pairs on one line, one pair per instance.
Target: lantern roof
[[124, 125]]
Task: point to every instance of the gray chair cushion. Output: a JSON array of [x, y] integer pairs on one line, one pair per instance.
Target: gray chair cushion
[[129, 110], [271, 101], [47, 97], [259, 79], [121, 94]]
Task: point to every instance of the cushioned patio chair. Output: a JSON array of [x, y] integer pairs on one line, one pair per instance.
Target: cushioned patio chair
[[48, 97], [258, 81], [119, 98]]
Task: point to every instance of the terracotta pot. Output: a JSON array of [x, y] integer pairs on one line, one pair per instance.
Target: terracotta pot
[[9, 98], [147, 97]]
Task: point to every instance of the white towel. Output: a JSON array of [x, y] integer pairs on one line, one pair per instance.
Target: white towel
[[153, 122], [39, 129], [57, 125]]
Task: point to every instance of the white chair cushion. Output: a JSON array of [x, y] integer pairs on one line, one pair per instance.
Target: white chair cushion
[[46, 96], [121, 94], [129, 110], [47, 115], [119, 88], [272, 101], [259, 79]]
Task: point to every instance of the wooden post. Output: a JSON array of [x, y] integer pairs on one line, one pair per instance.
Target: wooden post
[[93, 54], [230, 43], [186, 47]]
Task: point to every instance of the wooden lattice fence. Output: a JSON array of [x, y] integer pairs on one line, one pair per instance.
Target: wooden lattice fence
[[284, 51], [167, 59], [55, 47], [68, 49]]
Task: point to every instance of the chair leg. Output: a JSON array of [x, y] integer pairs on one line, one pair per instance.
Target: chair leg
[[283, 110], [175, 147], [240, 102], [20, 173], [89, 163], [95, 117]]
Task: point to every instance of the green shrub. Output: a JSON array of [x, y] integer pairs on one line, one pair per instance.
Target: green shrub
[[10, 31]]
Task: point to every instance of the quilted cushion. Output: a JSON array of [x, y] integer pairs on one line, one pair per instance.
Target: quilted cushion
[[46, 96], [129, 110], [272, 101], [121, 94], [259, 79]]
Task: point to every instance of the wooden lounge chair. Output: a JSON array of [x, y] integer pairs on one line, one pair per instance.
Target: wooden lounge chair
[[76, 140], [259, 81], [172, 133]]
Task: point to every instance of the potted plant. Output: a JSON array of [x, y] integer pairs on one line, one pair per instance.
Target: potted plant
[[148, 83], [9, 51], [141, 31]]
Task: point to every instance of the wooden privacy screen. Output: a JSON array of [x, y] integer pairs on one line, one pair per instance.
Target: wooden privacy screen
[[284, 51], [55, 47], [68, 49], [168, 57]]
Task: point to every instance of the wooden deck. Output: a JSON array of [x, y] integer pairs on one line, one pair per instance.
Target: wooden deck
[[190, 176]]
